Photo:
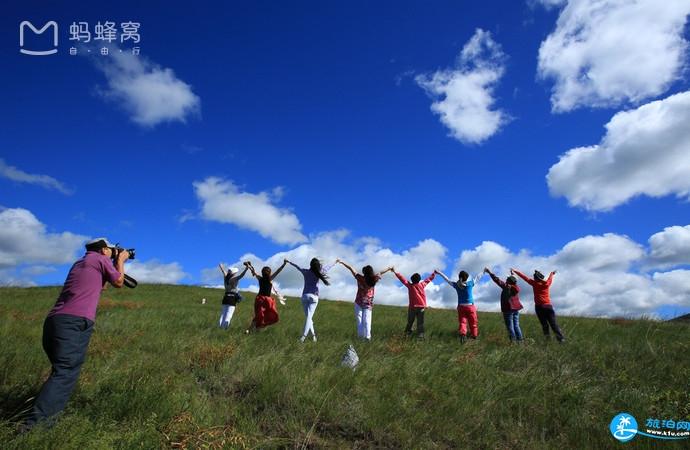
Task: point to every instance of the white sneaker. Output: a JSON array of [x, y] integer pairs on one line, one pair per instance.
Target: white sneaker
[[302, 339], [313, 338]]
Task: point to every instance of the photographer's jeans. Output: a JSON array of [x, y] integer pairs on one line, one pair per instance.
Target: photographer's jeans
[[65, 340]]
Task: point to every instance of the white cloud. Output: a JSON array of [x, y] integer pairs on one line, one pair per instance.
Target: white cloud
[[646, 151], [675, 285], [609, 252], [222, 201], [15, 174], [609, 52], [154, 271], [149, 93], [463, 96], [548, 4], [670, 247], [25, 240]]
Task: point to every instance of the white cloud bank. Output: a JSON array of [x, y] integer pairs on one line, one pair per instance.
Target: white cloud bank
[[670, 247], [608, 275], [222, 201], [25, 240], [610, 52], [28, 250], [464, 96], [646, 151], [154, 271], [149, 93], [45, 181], [26, 247]]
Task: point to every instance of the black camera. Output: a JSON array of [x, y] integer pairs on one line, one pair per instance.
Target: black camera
[[117, 249], [130, 282]]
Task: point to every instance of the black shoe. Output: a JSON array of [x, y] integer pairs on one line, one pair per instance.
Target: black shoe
[[463, 338]]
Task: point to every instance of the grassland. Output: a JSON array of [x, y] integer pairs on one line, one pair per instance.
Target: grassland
[[159, 373]]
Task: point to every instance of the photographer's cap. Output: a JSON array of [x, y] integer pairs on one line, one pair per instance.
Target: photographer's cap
[[97, 244], [233, 270]]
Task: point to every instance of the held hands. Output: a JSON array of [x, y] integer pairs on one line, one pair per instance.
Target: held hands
[[123, 256]]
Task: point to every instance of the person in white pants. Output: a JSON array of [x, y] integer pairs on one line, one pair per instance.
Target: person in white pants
[[310, 293], [231, 279], [364, 300]]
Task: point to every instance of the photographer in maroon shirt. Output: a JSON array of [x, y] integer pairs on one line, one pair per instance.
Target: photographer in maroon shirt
[[68, 327]]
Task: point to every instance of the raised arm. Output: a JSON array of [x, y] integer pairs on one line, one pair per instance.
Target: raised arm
[[443, 275], [523, 276], [478, 277], [428, 279], [282, 266], [293, 265], [401, 278], [251, 268], [239, 277], [495, 279], [390, 269], [347, 266], [550, 279], [222, 269]]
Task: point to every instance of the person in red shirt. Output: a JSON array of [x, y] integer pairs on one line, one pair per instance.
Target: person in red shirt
[[364, 300], [542, 302], [417, 300]]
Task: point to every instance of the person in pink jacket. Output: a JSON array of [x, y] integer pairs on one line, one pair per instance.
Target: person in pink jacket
[[417, 301]]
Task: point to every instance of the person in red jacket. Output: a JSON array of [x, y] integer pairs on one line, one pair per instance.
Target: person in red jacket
[[510, 305], [417, 301], [542, 302]]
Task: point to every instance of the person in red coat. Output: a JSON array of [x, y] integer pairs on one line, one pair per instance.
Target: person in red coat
[[542, 302]]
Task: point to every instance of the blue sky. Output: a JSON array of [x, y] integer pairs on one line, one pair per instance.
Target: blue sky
[[403, 133]]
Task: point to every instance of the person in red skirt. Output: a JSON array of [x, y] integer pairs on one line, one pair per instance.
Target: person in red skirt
[[265, 312]]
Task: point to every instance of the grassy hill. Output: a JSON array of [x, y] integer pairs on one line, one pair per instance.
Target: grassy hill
[[159, 373]]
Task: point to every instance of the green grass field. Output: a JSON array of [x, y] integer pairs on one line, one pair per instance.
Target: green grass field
[[160, 373]]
